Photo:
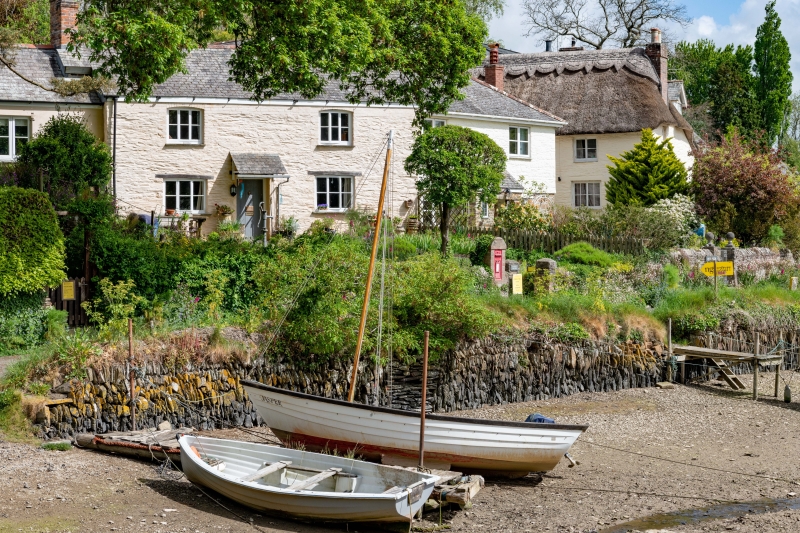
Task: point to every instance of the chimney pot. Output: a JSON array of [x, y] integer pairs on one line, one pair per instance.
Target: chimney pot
[[494, 53], [63, 16], [655, 35]]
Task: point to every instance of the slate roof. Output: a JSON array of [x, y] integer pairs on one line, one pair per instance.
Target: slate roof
[[677, 92], [484, 99], [596, 91], [40, 64], [510, 183], [254, 164]]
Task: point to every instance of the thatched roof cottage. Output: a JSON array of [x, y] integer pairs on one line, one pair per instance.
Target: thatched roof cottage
[[606, 96]]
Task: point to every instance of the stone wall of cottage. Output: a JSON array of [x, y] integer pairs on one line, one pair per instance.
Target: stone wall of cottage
[[491, 371], [39, 114], [288, 130]]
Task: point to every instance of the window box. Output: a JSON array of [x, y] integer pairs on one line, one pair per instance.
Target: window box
[[335, 128], [585, 149], [518, 144], [14, 132], [184, 126]]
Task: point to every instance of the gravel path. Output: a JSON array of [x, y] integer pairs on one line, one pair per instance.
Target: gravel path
[[695, 426]]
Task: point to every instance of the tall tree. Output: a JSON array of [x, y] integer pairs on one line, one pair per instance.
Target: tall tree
[[600, 23], [456, 165], [646, 174], [732, 92], [695, 63], [486, 9], [414, 52], [774, 79], [28, 19]]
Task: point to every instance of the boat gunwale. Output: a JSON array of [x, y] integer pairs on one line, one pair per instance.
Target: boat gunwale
[[284, 490], [389, 410]]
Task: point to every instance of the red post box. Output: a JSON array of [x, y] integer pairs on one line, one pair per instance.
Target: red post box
[[497, 263], [495, 259]]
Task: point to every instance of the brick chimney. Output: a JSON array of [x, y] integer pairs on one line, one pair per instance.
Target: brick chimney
[[63, 15], [657, 52], [494, 73]]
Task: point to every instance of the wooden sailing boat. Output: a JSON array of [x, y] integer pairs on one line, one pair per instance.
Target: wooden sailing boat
[[390, 435]]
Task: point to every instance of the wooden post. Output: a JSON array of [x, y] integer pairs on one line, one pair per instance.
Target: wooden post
[[375, 240], [778, 366], [716, 291], [132, 374], [755, 367], [424, 400]]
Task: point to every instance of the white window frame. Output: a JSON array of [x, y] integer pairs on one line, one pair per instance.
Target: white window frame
[[12, 136], [582, 152], [327, 116], [516, 146], [484, 210], [199, 125], [586, 193], [192, 195], [327, 192], [430, 123]]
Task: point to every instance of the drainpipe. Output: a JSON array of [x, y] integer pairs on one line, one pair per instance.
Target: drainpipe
[[114, 153], [278, 198]]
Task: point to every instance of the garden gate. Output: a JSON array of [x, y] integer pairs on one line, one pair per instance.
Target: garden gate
[[68, 297]]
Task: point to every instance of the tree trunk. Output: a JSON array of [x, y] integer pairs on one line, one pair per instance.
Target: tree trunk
[[444, 227]]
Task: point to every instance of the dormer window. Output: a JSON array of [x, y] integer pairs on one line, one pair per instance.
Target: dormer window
[[185, 126], [335, 128]]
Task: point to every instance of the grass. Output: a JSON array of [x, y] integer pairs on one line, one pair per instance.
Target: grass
[[14, 424], [57, 446]]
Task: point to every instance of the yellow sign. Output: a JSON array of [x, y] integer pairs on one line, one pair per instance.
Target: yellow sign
[[516, 284], [724, 268], [68, 290]]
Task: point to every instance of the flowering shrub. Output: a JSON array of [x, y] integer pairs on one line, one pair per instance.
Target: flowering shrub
[[524, 217], [680, 210]]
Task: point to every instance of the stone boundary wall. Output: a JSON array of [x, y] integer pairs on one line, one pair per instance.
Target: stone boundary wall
[[760, 262], [496, 370]]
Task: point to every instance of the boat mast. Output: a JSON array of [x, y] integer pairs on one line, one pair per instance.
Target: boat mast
[[375, 241]]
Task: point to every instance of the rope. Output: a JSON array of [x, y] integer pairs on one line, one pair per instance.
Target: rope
[[316, 264], [734, 472]]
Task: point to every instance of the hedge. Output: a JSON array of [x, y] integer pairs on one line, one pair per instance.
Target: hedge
[[31, 243]]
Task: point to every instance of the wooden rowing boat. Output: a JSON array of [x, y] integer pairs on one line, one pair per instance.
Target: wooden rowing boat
[[391, 436], [307, 486]]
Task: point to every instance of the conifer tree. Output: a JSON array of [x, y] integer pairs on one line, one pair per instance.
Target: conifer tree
[[648, 173], [774, 79]]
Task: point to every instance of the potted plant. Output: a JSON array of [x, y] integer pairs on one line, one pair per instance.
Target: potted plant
[[322, 207], [412, 224], [288, 227], [170, 212], [223, 211]]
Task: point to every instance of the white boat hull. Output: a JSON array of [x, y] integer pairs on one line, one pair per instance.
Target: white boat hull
[[392, 436], [366, 506]]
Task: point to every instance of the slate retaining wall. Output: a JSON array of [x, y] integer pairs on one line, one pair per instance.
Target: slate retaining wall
[[496, 370]]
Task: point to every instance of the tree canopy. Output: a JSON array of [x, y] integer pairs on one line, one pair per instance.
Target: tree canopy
[[646, 174], [456, 165], [413, 52], [625, 23], [733, 101]]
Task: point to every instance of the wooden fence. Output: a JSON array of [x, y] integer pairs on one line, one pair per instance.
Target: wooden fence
[[552, 241], [76, 314]]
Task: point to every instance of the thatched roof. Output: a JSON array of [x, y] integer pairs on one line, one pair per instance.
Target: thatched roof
[[595, 91]]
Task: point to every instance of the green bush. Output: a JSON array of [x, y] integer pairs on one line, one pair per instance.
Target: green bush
[[22, 321], [31, 243], [585, 254], [483, 243], [403, 248]]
